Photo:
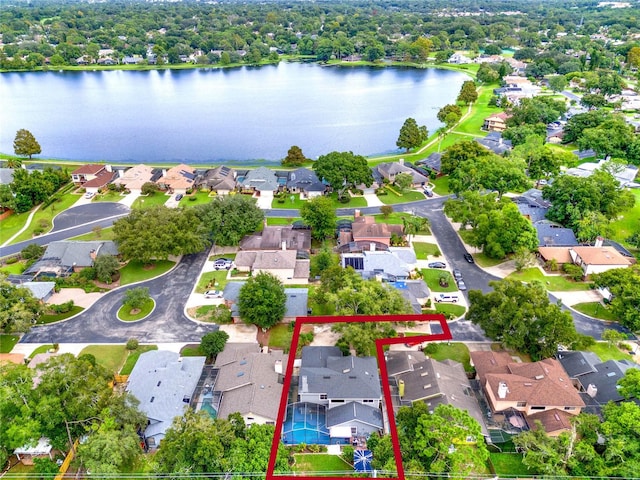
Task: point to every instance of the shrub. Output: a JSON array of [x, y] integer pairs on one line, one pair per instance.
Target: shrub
[[221, 314], [33, 250], [347, 453], [381, 191], [11, 260], [132, 344], [63, 307], [344, 199], [574, 272], [431, 348], [192, 198], [88, 273]]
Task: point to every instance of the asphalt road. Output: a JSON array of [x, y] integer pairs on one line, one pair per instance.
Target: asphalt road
[[166, 324]]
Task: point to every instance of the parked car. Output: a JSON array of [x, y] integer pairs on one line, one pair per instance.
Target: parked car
[[213, 294], [461, 285], [179, 197], [447, 297], [468, 257], [223, 263], [428, 192], [457, 274], [437, 265], [89, 195]]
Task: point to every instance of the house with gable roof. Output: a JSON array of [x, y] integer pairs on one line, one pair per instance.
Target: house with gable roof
[[496, 122], [178, 179], [164, 383], [221, 180], [93, 177], [305, 182], [64, 257], [390, 170], [598, 259], [296, 304], [135, 177], [282, 264]]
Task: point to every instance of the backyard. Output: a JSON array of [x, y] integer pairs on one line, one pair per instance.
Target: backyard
[[553, 283], [320, 462], [450, 351], [112, 357]]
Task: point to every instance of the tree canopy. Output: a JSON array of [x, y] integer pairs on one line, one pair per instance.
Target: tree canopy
[[468, 93], [19, 309], [227, 219], [294, 157], [343, 170], [25, 144], [411, 135], [262, 300], [320, 215], [624, 285]]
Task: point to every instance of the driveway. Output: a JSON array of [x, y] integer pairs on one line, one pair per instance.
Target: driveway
[[264, 201], [128, 200], [167, 323]]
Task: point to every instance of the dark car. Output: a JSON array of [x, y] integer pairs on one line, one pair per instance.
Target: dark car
[[437, 265], [468, 257], [457, 274], [179, 196], [223, 263], [461, 285]]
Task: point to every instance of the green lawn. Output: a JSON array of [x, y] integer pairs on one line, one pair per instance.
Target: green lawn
[[105, 234], [125, 314], [354, 202], [108, 196], [609, 352], [596, 310], [509, 464], [157, 198], [22, 472], [320, 462], [485, 261], [7, 342], [281, 220], [397, 218], [441, 185], [111, 357], [200, 198], [452, 351], [217, 279], [553, 283], [45, 216], [56, 317], [450, 308], [423, 250], [392, 198], [288, 203], [12, 225], [191, 351], [432, 276], [133, 356], [280, 337], [627, 223], [479, 111], [137, 272], [14, 268], [41, 349]]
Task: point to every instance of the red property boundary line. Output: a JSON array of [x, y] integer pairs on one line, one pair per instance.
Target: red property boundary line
[[380, 344]]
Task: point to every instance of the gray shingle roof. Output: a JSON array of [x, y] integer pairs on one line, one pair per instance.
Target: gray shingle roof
[[494, 142], [578, 363], [605, 378], [261, 179], [433, 161], [550, 235], [354, 411], [295, 306], [305, 179], [399, 361], [68, 253], [40, 290], [164, 384], [6, 176]]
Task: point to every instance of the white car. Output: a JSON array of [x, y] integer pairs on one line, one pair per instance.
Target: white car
[[89, 195], [213, 294]]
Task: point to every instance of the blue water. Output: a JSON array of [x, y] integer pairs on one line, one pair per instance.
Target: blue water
[[208, 407], [220, 115]]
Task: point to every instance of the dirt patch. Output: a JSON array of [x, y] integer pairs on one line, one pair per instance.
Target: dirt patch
[[151, 266], [134, 311], [262, 337]]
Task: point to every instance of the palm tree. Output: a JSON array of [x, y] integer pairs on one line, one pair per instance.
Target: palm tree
[[14, 162]]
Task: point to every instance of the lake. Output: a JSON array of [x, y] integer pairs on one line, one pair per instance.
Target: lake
[[220, 115]]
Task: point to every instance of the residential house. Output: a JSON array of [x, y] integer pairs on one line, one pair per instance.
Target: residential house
[[518, 66], [274, 237], [135, 177], [596, 380], [295, 306], [283, 264], [390, 265], [365, 229], [598, 259], [625, 177], [164, 383], [305, 182], [532, 205], [178, 179], [422, 379], [528, 388], [559, 255], [494, 142], [496, 122], [459, 59], [40, 290], [64, 257], [433, 162], [416, 292], [262, 181], [249, 382], [221, 180], [552, 235], [93, 177], [390, 170]]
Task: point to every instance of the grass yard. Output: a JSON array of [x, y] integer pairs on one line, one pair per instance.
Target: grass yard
[[354, 202], [137, 272], [108, 196], [157, 198], [133, 356], [280, 337], [105, 234], [7, 342], [441, 185], [14, 268], [12, 225], [320, 462], [627, 223], [111, 357], [432, 276], [217, 279], [509, 464], [288, 203], [396, 218], [553, 283], [44, 216], [125, 314], [479, 111], [609, 352], [423, 250], [391, 198], [191, 351], [56, 317], [485, 261], [450, 308], [282, 220], [21, 471], [194, 199], [41, 349], [452, 351], [595, 310]]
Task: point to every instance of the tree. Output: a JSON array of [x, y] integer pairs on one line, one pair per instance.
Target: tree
[[213, 343], [157, 232], [624, 285], [486, 74], [557, 83], [323, 260], [633, 57], [26, 144], [386, 210], [613, 337], [531, 111], [449, 114], [320, 215], [413, 224], [519, 134], [411, 135], [362, 336], [578, 123], [343, 170], [492, 172], [7, 200], [294, 157], [629, 385], [591, 226], [262, 300], [468, 93], [105, 266], [420, 48], [612, 137], [19, 309], [135, 298], [403, 181], [468, 206], [541, 162], [149, 188], [460, 153], [227, 219], [32, 251], [521, 317], [593, 100]]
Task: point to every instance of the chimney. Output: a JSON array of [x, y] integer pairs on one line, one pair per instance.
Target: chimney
[[502, 390], [356, 213], [108, 168], [599, 242], [592, 390], [284, 244], [278, 366], [401, 161], [372, 246]]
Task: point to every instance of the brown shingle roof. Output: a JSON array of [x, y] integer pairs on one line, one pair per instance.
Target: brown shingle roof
[[90, 169], [561, 254], [553, 420], [365, 227], [102, 179], [601, 256], [490, 362]]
